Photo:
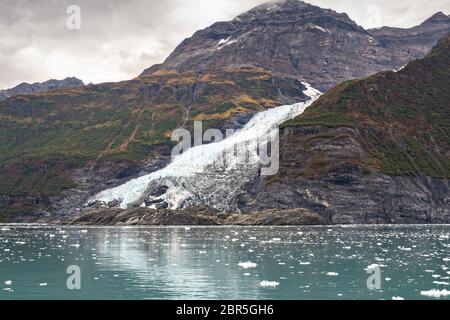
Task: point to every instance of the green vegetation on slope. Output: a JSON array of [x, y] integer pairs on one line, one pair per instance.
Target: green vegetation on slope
[[403, 118], [45, 137]]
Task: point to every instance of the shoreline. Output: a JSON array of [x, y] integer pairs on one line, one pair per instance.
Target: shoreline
[[200, 216]]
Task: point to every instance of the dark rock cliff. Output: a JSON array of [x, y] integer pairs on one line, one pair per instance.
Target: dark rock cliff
[[375, 150]]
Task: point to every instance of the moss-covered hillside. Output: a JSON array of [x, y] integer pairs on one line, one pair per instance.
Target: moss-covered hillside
[[403, 118]]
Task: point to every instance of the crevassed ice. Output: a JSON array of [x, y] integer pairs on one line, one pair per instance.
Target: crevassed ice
[[209, 174]]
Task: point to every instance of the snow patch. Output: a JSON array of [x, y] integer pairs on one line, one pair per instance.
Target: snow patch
[[225, 42]]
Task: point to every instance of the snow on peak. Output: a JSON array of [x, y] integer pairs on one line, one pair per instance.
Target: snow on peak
[[225, 42]]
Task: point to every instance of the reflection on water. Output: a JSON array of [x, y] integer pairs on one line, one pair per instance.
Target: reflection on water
[[224, 262]]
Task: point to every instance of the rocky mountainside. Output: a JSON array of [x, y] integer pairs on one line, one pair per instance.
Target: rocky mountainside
[[321, 47], [59, 148], [375, 150], [414, 42], [27, 88]]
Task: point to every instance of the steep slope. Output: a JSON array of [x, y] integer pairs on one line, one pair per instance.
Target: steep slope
[[375, 150], [59, 148], [85, 139], [27, 88], [210, 174]]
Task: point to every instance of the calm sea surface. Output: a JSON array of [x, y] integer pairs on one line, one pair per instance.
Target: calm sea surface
[[225, 262]]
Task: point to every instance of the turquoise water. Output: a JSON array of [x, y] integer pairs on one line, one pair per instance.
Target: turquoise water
[[224, 262]]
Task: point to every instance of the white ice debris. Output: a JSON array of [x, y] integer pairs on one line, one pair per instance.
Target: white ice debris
[[8, 282], [271, 284], [332, 274], [210, 174], [374, 266], [435, 293], [398, 298], [442, 283], [247, 265]]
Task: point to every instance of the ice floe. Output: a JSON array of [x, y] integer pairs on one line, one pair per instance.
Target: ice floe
[[435, 293], [247, 265], [272, 284]]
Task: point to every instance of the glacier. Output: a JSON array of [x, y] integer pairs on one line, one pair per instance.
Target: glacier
[[210, 174]]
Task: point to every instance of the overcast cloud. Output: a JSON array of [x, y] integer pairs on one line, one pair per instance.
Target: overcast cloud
[[118, 39]]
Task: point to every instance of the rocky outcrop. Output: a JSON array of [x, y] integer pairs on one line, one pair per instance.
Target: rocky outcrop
[[277, 217], [27, 88], [374, 150], [328, 171], [192, 216]]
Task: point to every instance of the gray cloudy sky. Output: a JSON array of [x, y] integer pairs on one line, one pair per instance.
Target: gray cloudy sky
[[118, 38]]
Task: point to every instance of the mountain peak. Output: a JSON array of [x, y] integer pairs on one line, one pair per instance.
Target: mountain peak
[[292, 10], [438, 18], [29, 88]]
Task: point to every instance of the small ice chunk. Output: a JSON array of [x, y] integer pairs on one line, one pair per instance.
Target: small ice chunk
[[374, 266], [435, 293], [272, 284], [442, 283], [247, 265], [8, 282], [398, 298], [332, 274], [44, 284]]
